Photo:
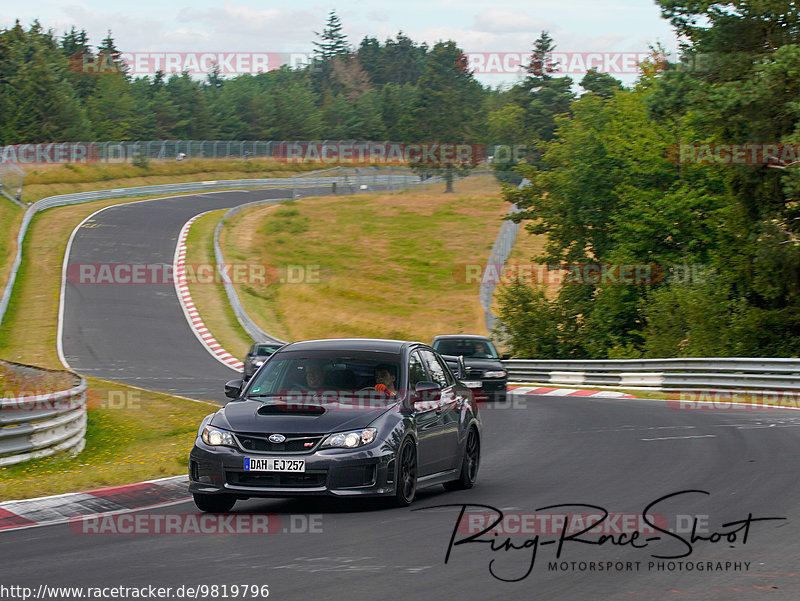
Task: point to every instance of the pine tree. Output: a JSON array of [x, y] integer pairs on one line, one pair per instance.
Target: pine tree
[[334, 42], [74, 42], [541, 65], [110, 59]]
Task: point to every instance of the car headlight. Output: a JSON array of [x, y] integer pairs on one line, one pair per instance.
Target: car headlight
[[258, 363], [350, 440], [217, 437], [495, 374]]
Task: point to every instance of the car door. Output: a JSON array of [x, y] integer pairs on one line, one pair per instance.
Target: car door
[[427, 415], [449, 409]]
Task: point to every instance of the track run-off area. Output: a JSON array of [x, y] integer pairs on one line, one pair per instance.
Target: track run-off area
[[551, 465]]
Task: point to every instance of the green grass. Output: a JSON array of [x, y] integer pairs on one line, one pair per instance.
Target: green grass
[[99, 172], [10, 219], [375, 265], [52, 180], [132, 435], [148, 437]]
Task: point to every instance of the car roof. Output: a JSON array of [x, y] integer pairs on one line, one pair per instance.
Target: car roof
[[461, 337], [354, 344]]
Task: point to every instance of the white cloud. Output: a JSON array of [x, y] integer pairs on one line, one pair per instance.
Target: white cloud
[[272, 26], [506, 21]]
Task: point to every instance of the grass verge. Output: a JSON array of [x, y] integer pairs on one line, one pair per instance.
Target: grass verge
[[31, 322], [132, 435], [18, 380], [372, 265], [10, 220], [49, 180]]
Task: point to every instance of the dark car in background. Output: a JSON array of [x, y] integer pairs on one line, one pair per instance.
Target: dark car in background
[[344, 418], [256, 356], [483, 371]]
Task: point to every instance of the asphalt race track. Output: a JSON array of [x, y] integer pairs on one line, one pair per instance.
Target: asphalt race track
[[137, 334], [617, 455], [620, 455]]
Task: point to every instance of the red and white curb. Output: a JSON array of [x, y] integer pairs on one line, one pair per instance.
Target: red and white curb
[[58, 509], [538, 390], [190, 310]]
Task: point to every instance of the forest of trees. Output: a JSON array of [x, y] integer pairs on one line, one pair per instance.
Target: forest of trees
[[605, 186], [607, 190], [395, 90]]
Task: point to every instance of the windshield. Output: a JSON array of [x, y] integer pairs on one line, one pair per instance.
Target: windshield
[[266, 349], [469, 347], [338, 372]]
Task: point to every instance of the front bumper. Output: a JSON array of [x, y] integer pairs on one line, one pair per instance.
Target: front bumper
[[333, 472], [489, 389]]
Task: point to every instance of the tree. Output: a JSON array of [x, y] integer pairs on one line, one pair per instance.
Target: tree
[[540, 66], [109, 59], [74, 42], [398, 61], [214, 78], [602, 84], [113, 110], [448, 107], [333, 42], [40, 102]]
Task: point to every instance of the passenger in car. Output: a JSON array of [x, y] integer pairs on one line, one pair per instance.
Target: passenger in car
[[313, 376]]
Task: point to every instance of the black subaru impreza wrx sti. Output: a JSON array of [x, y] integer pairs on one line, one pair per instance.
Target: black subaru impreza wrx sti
[[347, 418]]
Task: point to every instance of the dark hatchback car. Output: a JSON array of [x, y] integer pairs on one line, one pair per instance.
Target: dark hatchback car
[[256, 356], [484, 373], [346, 418]]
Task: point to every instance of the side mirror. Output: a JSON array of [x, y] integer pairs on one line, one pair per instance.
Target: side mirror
[[233, 388], [428, 391], [505, 356], [462, 368]]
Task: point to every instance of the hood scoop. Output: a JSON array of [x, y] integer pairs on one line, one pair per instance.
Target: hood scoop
[[294, 409]]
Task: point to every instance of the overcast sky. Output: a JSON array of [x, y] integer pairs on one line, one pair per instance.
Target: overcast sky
[[247, 26]]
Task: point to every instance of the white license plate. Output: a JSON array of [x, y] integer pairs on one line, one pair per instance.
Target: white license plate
[[273, 464], [473, 384]]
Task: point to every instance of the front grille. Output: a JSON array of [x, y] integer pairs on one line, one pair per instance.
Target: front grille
[[294, 443], [313, 479]]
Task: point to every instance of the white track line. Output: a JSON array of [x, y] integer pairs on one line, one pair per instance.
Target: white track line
[[64, 265]]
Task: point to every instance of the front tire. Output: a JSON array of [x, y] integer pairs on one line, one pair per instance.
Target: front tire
[[406, 480], [214, 503], [469, 465]]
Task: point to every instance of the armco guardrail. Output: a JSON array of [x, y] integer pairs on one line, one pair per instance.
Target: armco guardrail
[[37, 426], [343, 183], [250, 326], [675, 374], [501, 249]]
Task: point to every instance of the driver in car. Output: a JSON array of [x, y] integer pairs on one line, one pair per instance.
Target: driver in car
[[385, 379], [480, 351]]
